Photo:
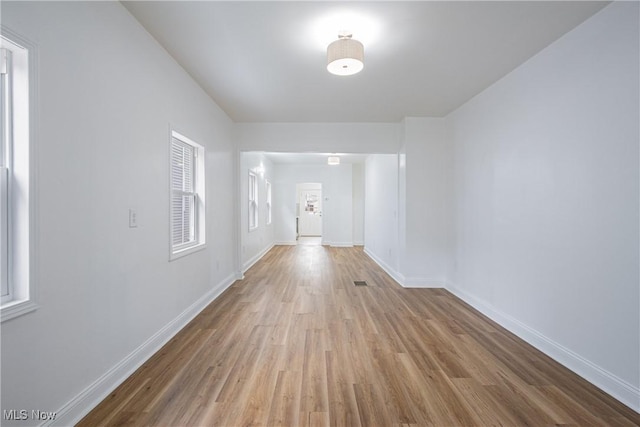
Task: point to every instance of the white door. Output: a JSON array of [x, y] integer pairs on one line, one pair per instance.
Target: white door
[[310, 222]]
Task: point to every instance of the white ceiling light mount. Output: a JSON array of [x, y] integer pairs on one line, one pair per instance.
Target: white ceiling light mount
[[333, 160], [345, 56]]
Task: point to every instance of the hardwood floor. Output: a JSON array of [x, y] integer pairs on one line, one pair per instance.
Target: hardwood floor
[[296, 343]]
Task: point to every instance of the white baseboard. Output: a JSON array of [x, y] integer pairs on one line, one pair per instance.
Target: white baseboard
[[405, 282], [341, 244], [606, 381], [74, 410], [386, 267], [333, 244], [247, 265], [423, 282]]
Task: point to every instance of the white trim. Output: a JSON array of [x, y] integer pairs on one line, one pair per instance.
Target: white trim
[[74, 410], [268, 203], [390, 271], [247, 265], [287, 243], [253, 200], [187, 251], [27, 269], [423, 282], [14, 309], [341, 244], [621, 390], [200, 208], [406, 282]]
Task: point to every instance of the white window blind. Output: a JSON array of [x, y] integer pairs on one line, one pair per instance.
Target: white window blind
[[184, 198]]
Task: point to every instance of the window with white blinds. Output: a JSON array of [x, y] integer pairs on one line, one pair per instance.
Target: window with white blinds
[[187, 194], [17, 184], [253, 201]]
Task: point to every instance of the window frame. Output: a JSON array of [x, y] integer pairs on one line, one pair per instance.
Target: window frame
[[198, 210], [6, 168], [268, 191], [253, 207], [20, 190]]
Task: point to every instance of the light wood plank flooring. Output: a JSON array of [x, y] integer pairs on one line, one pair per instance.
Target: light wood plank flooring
[[297, 344]]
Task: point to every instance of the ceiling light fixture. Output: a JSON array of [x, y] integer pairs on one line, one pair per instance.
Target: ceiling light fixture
[[333, 160], [345, 56]]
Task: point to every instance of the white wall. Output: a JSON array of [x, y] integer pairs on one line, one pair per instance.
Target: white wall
[[107, 96], [426, 197], [337, 214], [546, 183], [408, 203], [318, 137], [381, 210], [545, 200], [357, 171], [255, 243]]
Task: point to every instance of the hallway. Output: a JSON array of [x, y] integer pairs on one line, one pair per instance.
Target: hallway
[[310, 241], [296, 343]]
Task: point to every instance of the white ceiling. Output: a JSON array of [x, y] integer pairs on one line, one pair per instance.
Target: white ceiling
[[265, 61]]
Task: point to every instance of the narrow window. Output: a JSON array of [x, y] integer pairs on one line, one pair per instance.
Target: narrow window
[[6, 111], [187, 195], [253, 201], [16, 192], [268, 184]]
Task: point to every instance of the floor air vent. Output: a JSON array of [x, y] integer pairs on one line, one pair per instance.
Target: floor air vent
[[360, 283]]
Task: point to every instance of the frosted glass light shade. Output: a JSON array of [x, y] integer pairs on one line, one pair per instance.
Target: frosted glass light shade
[[345, 56], [333, 160]]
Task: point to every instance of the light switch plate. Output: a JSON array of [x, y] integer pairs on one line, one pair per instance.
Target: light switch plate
[[133, 218]]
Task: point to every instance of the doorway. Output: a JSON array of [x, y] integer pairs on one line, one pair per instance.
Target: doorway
[[309, 213]]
